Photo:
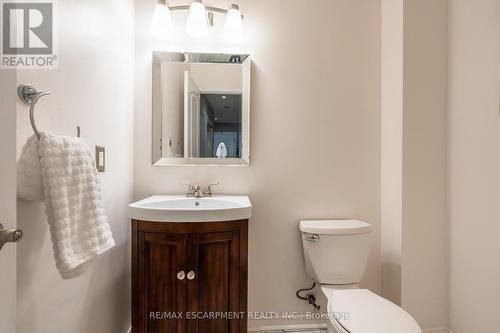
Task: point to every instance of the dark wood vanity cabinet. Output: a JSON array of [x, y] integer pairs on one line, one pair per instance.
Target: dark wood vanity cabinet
[[189, 277]]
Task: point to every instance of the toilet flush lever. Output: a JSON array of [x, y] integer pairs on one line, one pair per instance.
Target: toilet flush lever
[[313, 238], [9, 236]]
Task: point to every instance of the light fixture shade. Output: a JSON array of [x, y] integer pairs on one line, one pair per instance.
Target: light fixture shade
[[233, 28], [161, 21], [197, 23]]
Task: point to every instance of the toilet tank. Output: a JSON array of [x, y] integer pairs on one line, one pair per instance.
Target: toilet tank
[[335, 251]]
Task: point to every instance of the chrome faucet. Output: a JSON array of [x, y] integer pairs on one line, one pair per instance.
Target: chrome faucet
[[196, 192]]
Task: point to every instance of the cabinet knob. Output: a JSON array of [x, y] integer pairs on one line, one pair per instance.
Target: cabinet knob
[[181, 275], [191, 275]]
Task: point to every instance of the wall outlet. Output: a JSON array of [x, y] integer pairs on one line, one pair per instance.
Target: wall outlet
[[100, 158]]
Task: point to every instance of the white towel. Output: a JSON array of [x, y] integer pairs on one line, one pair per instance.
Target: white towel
[[221, 150], [61, 171]]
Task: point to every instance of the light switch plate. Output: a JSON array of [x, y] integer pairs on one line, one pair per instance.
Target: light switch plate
[[100, 158]]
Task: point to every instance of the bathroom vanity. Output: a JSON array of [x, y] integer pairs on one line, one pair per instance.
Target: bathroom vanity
[[189, 264]]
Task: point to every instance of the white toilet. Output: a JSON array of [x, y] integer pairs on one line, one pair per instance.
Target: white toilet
[[335, 253]]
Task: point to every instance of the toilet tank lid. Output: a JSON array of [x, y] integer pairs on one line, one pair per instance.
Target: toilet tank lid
[[335, 227]]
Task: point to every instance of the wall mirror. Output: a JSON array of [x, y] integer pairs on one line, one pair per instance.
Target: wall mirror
[[201, 109]]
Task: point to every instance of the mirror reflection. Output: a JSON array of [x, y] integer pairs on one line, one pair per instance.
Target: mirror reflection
[[220, 125]]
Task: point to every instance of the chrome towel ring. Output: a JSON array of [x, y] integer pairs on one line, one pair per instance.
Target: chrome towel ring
[[29, 96]]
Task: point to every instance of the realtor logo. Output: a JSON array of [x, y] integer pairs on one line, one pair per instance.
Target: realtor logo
[[28, 34]]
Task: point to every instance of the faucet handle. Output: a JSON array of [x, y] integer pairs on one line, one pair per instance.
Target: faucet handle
[[208, 189], [190, 190]]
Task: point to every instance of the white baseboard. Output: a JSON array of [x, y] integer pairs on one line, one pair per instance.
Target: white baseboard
[[314, 328]]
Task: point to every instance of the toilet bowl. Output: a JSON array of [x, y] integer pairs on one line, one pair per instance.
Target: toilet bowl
[[335, 253], [360, 311]]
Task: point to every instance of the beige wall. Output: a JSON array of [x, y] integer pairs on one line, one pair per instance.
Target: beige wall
[[391, 199], [315, 132], [424, 234], [474, 164], [92, 88], [413, 189], [8, 198]]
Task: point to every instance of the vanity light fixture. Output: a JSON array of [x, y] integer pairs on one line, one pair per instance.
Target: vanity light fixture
[[197, 22], [233, 28], [161, 22], [199, 19]]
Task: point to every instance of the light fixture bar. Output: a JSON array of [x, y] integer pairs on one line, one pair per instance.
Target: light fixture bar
[[208, 9], [179, 8]]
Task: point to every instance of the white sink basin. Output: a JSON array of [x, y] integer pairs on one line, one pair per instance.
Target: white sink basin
[[179, 208]]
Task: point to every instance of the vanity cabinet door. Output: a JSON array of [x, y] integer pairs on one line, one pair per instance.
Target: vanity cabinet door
[[212, 260], [213, 282], [161, 282]]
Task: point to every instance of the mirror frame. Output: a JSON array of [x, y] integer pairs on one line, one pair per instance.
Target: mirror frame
[[157, 112]]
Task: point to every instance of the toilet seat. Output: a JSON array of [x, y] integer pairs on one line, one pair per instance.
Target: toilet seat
[[361, 311]]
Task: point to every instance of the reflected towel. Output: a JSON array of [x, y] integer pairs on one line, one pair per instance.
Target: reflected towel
[[61, 172], [221, 150]]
